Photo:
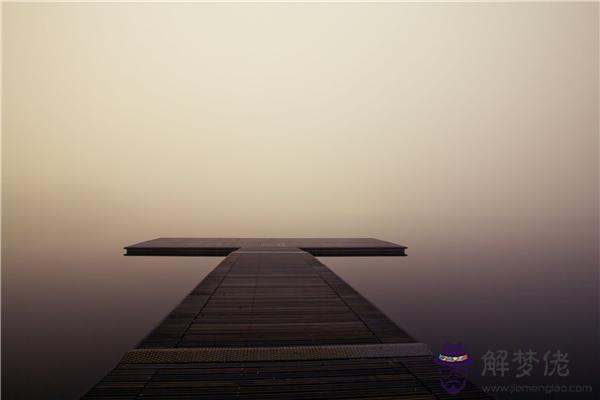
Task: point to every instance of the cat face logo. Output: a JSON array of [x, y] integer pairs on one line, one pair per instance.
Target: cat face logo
[[454, 365]]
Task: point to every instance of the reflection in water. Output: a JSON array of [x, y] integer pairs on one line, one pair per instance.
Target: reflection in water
[[70, 311]]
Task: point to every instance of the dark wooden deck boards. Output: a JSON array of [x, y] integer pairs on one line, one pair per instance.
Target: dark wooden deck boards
[[273, 299], [275, 323], [406, 378]]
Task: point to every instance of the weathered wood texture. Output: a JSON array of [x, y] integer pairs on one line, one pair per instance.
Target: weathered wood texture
[[275, 323], [273, 299], [405, 378]]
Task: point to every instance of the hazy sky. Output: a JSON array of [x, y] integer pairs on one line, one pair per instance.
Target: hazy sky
[[266, 119], [468, 132]]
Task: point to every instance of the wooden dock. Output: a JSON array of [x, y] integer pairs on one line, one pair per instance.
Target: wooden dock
[[272, 322]]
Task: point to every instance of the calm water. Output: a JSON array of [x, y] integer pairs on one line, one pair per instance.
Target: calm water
[[70, 312], [466, 131]]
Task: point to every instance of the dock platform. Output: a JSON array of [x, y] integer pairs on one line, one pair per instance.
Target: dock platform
[[272, 322]]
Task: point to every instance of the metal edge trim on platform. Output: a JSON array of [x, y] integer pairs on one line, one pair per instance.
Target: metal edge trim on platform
[[223, 252], [279, 353]]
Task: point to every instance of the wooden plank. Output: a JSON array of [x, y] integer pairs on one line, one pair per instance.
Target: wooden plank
[[386, 378], [272, 322], [276, 298]]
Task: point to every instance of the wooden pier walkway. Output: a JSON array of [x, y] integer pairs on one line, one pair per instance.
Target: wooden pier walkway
[[272, 322]]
